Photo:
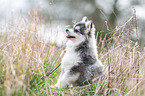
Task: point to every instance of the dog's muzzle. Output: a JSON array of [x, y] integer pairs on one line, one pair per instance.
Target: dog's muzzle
[[69, 36]]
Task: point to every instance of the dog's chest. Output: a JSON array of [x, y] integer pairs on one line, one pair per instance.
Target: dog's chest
[[70, 59]]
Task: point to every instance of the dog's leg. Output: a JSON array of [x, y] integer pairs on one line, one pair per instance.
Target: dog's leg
[[66, 79], [62, 72]]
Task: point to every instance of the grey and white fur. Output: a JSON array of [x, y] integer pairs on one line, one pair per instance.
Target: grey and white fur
[[80, 63]]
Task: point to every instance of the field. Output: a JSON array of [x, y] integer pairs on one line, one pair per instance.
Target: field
[[26, 60]]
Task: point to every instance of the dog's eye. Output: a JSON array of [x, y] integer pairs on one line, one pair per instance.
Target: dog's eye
[[76, 30]]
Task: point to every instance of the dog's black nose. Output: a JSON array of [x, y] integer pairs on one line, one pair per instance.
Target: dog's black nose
[[67, 30]]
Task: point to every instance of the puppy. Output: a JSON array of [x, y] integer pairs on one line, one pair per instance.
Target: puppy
[[80, 63]]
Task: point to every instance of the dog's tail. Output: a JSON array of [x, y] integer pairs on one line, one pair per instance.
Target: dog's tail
[[100, 71]]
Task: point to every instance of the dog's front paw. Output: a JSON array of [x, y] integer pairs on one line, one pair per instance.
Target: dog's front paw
[[56, 86], [52, 86], [59, 86]]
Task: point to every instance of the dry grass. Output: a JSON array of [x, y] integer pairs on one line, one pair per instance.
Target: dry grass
[[25, 60]]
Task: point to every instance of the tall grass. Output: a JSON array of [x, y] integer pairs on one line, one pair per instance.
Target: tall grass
[[25, 61]]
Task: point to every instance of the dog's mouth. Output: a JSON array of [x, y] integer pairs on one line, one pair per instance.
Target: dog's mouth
[[69, 36]]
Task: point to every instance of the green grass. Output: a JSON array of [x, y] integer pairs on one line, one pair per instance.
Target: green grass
[[25, 60]]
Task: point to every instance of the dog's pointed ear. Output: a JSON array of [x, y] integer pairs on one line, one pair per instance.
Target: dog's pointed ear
[[85, 19], [89, 26]]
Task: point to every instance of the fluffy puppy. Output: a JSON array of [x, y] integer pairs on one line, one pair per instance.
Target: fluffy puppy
[[80, 63]]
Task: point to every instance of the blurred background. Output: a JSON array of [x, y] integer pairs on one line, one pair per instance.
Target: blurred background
[[66, 12]]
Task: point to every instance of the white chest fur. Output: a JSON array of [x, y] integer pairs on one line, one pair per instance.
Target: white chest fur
[[70, 58]]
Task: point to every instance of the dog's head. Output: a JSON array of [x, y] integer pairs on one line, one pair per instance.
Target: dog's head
[[81, 30]]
